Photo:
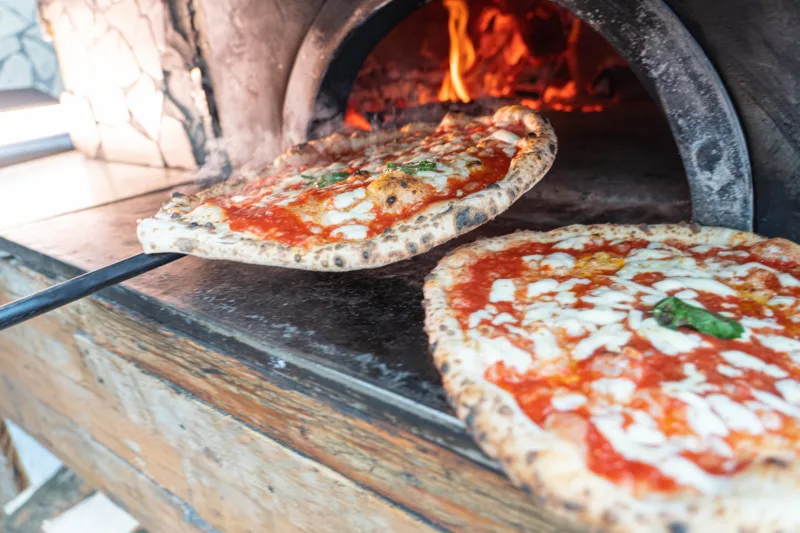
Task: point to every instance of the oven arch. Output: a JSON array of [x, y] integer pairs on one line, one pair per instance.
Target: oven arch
[[646, 33]]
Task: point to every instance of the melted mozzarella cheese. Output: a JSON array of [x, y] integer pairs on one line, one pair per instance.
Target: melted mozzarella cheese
[[698, 284], [542, 286], [502, 291], [780, 344], [565, 298], [609, 297], [700, 415], [675, 267], [621, 389], [666, 340], [503, 318], [346, 199], [644, 254], [558, 261], [736, 416], [612, 337], [351, 231], [335, 218], [545, 344], [600, 315], [790, 390], [567, 402], [729, 371], [438, 179], [748, 362], [779, 301], [573, 243], [663, 457], [505, 136], [478, 316], [498, 349], [777, 403], [363, 207]]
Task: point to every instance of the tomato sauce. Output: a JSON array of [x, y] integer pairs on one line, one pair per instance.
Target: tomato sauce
[[286, 225], [638, 360]]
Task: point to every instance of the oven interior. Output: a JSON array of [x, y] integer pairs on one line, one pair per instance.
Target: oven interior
[[618, 160]]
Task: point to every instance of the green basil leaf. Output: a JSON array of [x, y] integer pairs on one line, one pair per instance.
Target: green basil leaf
[[673, 313], [330, 179], [413, 168], [309, 178]]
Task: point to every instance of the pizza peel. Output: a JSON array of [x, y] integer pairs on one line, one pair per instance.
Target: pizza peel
[[76, 288]]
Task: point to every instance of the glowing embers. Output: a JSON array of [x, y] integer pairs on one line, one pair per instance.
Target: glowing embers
[[529, 51]]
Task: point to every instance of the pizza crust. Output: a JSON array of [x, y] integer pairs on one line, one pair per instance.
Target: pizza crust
[[760, 498], [434, 225]]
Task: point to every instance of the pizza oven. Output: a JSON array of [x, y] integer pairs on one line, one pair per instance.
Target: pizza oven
[[666, 110]]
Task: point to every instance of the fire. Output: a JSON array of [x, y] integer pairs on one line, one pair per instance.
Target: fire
[[356, 119], [462, 52], [500, 38], [529, 51]]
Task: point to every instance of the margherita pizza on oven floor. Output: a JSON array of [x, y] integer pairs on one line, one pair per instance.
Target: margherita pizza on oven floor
[[362, 201], [636, 378]]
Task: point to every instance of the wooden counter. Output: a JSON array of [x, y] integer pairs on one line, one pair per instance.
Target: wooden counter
[[215, 396]]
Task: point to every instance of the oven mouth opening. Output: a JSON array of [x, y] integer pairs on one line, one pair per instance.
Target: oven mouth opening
[[647, 132], [617, 159]]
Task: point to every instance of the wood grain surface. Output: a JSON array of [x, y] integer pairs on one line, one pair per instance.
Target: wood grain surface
[[189, 437]]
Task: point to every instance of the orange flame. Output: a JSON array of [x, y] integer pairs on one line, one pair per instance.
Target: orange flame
[[356, 119], [462, 52]]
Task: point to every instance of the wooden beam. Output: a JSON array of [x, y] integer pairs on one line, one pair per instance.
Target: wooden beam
[[135, 375], [13, 478], [232, 477], [63, 490]]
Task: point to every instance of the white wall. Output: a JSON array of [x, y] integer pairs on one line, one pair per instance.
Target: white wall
[[26, 60]]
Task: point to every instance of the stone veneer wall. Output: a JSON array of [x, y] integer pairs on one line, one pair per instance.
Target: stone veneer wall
[[132, 86], [26, 60]]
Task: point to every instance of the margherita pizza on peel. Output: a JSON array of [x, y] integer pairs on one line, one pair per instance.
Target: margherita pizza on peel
[[344, 203], [636, 378]]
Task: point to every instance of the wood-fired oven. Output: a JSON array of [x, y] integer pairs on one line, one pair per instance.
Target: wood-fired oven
[[666, 109]]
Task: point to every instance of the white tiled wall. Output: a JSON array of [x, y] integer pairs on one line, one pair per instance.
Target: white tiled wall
[[26, 59]]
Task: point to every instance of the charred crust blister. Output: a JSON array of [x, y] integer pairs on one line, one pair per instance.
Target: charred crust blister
[[298, 258], [677, 527], [467, 218], [175, 215], [492, 186], [573, 506], [365, 254], [776, 462], [339, 262], [178, 194], [552, 148], [412, 247], [390, 200], [193, 224]]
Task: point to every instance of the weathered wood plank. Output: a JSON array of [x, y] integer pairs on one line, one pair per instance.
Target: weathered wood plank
[[13, 478], [234, 477], [434, 482], [55, 496], [155, 507]]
